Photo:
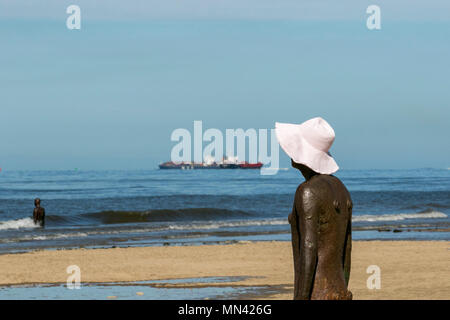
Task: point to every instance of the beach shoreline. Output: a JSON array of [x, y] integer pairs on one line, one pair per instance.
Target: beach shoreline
[[409, 269]]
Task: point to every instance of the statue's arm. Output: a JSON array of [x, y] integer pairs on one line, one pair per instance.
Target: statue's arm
[[295, 236], [308, 219], [348, 251]]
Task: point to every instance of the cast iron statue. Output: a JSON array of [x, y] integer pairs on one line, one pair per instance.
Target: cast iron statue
[[38, 213], [321, 237], [321, 219]]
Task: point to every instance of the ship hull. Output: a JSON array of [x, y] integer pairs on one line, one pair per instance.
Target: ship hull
[[184, 166]]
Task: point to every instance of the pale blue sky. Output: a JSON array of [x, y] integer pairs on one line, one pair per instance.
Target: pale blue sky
[[109, 96], [229, 9]]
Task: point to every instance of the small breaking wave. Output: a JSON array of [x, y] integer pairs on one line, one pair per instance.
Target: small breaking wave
[[17, 224], [58, 236], [228, 224], [165, 215], [399, 216]]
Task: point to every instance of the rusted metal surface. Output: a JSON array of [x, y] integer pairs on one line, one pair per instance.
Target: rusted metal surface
[[321, 237]]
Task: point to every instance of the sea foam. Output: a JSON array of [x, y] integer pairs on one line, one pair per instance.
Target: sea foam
[[17, 224], [399, 216]]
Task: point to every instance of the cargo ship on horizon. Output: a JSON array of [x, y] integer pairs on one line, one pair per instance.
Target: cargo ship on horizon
[[210, 163]]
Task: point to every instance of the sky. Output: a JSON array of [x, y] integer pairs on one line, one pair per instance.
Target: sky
[[109, 96], [412, 10]]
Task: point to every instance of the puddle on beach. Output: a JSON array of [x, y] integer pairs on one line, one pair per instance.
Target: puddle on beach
[[177, 289]]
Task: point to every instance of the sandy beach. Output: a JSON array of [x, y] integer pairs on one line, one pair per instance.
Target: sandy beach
[[409, 269]]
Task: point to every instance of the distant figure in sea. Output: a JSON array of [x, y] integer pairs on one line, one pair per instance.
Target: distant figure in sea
[[38, 213], [321, 215]]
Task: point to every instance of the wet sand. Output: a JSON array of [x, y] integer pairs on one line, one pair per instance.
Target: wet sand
[[409, 269]]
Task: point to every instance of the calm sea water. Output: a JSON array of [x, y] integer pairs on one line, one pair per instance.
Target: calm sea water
[[164, 207]]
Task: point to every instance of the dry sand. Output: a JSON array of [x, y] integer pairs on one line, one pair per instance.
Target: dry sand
[[409, 269]]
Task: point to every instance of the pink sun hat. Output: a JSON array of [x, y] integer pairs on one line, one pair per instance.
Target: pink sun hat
[[308, 144]]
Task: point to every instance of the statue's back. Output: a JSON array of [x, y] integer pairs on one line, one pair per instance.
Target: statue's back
[[332, 211], [334, 222]]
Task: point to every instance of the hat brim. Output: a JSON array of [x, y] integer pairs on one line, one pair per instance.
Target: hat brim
[[290, 137]]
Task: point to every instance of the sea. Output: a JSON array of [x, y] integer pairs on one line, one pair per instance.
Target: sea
[[103, 209]]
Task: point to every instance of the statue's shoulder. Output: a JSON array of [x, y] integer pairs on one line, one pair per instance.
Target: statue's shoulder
[[309, 189], [332, 186], [305, 187], [319, 184], [321, 191]]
